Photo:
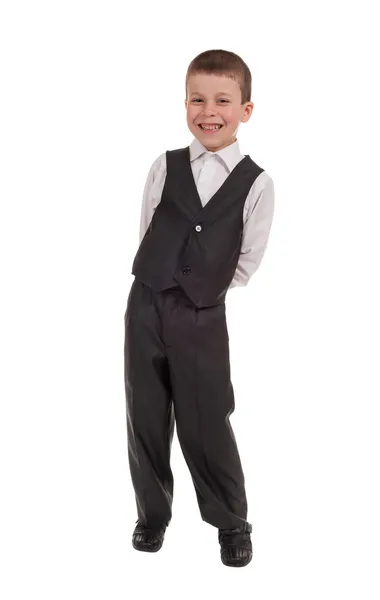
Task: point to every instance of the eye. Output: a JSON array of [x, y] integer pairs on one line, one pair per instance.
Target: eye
[[198, 99]]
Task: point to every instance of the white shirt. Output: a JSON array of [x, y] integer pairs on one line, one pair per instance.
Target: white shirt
[[210, 170]]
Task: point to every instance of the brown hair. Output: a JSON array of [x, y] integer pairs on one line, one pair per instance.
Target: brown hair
[[223, 62]]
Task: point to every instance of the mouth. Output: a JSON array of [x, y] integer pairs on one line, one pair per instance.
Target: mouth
[[210, 128]]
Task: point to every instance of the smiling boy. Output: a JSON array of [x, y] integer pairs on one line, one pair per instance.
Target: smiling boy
[[215, 128], [205, 220]]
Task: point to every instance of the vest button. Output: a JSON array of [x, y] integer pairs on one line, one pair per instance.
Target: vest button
[[186, 270], [198, 228]]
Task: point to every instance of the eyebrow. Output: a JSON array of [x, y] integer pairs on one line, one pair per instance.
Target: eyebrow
[[218, 94]]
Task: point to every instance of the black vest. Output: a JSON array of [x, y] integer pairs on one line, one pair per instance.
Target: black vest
[[195, 246]]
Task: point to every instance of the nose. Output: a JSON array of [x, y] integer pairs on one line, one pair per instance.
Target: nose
[[209, 110]]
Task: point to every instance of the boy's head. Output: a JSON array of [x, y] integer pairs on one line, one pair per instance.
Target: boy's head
[[218, 91]]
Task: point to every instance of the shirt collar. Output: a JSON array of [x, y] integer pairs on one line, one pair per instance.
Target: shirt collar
[[230, 154]]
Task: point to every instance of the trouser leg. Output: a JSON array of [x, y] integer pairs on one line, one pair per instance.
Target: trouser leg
[[198, 350], [150, 416]]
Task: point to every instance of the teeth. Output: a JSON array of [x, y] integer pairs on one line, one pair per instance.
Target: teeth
[[211, 126]]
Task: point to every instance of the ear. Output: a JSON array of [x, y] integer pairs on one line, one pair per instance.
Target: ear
[[248, 108], [186, 103]]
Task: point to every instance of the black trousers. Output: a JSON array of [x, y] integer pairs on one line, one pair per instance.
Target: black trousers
[[177, 370]]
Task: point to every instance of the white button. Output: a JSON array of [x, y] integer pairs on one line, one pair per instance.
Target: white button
[[198, 228]]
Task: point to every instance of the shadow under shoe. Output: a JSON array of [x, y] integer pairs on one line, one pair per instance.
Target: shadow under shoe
[[148, 539], [236, 546]]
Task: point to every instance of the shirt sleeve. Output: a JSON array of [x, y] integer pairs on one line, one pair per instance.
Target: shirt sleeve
[[255, 233], [147, 209]]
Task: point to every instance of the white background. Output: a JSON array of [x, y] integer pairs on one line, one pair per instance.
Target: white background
[[91, 94]]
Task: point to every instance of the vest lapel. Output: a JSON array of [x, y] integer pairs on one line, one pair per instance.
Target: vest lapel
[[185, 191]]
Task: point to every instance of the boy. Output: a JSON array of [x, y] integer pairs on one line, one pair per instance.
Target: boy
[[205, 221]]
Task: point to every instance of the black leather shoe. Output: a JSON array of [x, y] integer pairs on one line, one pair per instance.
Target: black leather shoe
[[148, 539], [236, 546]]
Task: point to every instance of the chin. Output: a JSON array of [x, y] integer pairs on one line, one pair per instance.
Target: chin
[[209, 140]]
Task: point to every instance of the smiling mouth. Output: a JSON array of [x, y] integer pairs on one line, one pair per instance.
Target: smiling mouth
[[214, 128]]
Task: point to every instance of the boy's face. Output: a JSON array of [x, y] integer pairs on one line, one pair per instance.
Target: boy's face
[[215, 99]]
